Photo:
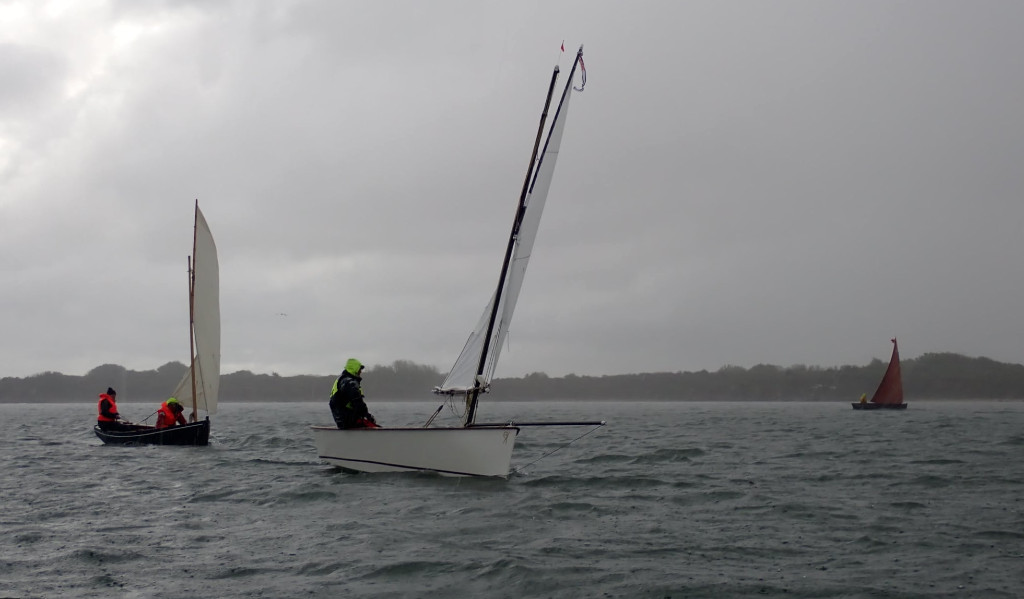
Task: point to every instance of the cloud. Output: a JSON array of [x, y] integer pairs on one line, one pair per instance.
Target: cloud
[[737, 184]]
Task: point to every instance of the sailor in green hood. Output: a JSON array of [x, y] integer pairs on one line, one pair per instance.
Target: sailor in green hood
[[347, 404]]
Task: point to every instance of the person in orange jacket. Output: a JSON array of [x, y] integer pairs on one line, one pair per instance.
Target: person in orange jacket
[[170, 414], [108, 418]]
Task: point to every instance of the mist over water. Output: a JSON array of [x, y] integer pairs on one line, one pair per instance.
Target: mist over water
[[667, 500]]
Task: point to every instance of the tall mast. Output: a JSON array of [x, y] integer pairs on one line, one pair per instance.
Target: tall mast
[[473, 397], [192, 313], [558, 111]]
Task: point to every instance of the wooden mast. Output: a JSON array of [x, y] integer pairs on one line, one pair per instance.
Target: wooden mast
[[192, 314]]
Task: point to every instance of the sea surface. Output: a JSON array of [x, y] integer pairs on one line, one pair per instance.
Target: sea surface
[[680, 500]]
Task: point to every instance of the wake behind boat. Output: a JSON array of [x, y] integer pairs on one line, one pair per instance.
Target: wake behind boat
[[201, 384], [889, 394], [473, 449]]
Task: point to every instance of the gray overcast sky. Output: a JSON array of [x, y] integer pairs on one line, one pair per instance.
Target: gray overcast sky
[[741, 182]]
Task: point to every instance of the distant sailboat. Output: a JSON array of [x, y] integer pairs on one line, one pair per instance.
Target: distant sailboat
[[473, 449], [201, 383], [889, 394]]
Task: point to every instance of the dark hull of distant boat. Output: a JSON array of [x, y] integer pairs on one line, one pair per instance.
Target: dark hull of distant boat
[[878, 406], [196, 433]]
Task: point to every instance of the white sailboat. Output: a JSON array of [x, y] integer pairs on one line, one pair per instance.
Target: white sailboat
[[474, 449], [201, 384]]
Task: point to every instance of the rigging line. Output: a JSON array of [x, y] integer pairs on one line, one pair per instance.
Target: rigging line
[[520, 469], [450, 402], [434, 415], [583, 75]]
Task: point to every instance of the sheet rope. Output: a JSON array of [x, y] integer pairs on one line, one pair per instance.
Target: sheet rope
[[559, 448]]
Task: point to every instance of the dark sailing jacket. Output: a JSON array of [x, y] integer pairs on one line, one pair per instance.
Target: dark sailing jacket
[[347, 404]]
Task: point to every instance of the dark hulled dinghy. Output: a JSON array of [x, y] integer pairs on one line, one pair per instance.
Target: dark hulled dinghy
[[201, 384], [193, 433]]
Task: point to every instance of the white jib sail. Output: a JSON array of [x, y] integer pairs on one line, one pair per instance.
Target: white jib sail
[[463, 373], [206, 323]]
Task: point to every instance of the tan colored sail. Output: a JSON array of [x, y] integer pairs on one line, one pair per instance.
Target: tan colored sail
[[205, 323]]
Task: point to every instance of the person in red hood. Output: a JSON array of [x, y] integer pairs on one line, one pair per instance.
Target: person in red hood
[[170, 414], [108, 418]]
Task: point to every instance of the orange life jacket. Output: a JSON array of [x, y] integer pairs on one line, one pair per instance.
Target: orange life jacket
[[99, 408], [166, 417]]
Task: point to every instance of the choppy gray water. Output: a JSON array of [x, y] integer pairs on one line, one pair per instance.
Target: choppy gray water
[[668, 500]]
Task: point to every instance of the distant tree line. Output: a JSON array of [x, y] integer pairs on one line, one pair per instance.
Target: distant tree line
[[931, 376]]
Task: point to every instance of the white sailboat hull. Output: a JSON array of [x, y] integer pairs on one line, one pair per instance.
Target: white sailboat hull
[[485, 451]]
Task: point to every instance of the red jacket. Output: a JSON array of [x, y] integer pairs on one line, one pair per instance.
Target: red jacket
[[108, 414], [166, 417]]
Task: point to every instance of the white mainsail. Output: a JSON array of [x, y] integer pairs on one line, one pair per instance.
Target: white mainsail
[[463, 375], [205, 322], [528, 231]]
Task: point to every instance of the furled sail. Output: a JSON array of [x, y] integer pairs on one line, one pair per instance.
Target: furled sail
[[466, 374], [890, 390], [205, 322]]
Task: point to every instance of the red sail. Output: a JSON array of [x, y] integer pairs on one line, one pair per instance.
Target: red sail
[[890, 390]]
